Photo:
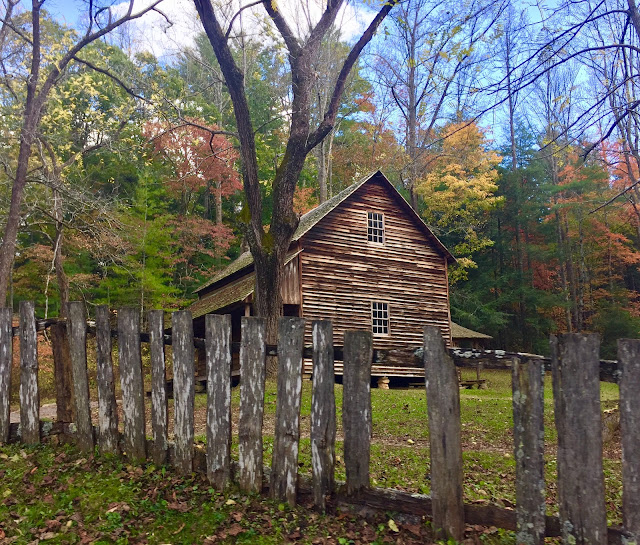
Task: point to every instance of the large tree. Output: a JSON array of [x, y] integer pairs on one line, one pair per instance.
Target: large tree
[[269, 246]]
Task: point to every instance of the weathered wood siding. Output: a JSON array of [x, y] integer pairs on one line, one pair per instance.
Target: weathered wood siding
[[291, 283], [342, 273]]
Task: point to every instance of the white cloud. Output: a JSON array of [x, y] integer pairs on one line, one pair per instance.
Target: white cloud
[[166, 34]]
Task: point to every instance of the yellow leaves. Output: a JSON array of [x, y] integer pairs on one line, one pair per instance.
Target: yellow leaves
[[459, 190]]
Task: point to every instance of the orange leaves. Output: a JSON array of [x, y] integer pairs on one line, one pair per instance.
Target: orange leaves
[[197, 155], [304, 200]]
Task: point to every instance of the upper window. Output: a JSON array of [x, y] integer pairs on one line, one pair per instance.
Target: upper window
[[379, 318], [375, 227]]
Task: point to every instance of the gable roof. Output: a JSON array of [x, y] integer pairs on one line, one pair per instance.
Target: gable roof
[[313, 217]]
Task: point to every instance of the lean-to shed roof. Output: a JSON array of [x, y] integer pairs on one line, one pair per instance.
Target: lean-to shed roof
[[460, 332]]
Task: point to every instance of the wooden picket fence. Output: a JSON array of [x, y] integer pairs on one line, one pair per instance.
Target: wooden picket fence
[[576, 372]]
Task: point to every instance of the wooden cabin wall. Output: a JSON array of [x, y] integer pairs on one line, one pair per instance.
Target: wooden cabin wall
[[342, 273]]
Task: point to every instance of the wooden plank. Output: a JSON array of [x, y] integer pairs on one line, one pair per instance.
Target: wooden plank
[[6, 359], [443, 409], [356, 408], [576, 390], [130, 363], [528, 431], [218, 356], [107, 408], [78, 350], [284, 462], [252, 376], [323, 413], [62, 371], [159, 409], [183, 389], [29, 392], [629, 362]]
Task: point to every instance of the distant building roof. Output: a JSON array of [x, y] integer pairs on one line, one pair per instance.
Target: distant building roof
[[459, 332], [311, 218]]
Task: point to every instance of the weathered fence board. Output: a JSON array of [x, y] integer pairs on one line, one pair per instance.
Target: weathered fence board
[[629, 362], [6, 358], [78, 349], [252, 376], [130, 366], [62, 371], [29, 392], [107, 407], [356, 408], [218, 357], [159, 409], [443, 408], [323, 413], [528, 435], [183, 389], [284, 464], [576, 390]]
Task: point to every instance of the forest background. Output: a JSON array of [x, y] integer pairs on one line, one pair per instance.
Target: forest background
[[512, 129]]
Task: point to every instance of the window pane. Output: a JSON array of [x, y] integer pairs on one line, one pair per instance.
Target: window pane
[[375, 227], [379, 318]]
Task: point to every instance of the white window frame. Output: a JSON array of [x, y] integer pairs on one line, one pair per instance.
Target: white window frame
[[380, 318], [375, 228]]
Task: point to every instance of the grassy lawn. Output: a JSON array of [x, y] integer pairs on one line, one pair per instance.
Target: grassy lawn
[[58, 494]]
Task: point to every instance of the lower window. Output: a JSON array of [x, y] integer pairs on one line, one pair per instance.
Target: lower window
[[380, 318]]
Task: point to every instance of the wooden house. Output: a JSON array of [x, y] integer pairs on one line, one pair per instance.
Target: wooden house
[[363, 259]]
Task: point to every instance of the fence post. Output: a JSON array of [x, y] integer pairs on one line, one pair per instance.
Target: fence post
[[443, 409], [356, 408], [528, 433], [323, 413], [78, 350], [6, 358], [130, 364], [107, 407], [183, 389], [62, 371], [629, 365], [29, 392], [284, 462], [218, 357], [159, 412], [252, 375], [575, 365]]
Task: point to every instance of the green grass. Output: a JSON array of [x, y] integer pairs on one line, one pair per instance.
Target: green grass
[[400, 442]]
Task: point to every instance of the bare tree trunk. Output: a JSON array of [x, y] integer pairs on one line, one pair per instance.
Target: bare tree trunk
[[219, 203], [58, 259], [412, 125], [322, 157], [8, 248]]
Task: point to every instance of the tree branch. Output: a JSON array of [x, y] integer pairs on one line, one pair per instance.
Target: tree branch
[[287, 34], [329, 119], [256, 3]]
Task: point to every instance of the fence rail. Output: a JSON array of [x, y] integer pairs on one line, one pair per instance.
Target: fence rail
[[462, 357], [576, 371]]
